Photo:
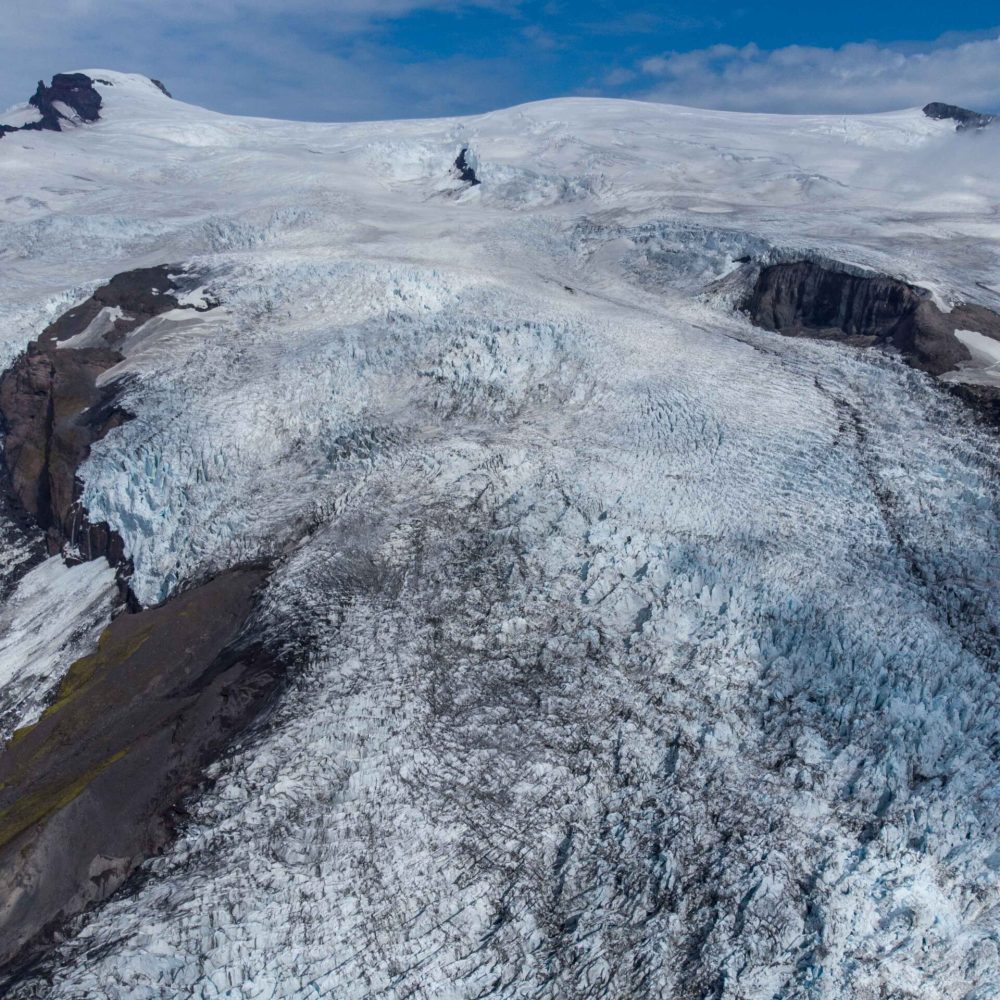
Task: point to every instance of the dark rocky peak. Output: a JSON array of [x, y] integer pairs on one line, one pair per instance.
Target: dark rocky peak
[[74, 91], [464, 169], [963, 117], [70, 97]]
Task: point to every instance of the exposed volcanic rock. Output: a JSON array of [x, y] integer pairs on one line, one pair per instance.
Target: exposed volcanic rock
[[464, 169], [809, 298], [74, 91], [806, 298], [963, 117], [159, 86], [53, 409], [87, 792]]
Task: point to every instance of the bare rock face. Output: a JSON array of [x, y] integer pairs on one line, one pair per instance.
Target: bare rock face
[[87, 792], [463, 169], [806, 298], [53, 410], [963, 117], [74, 91]]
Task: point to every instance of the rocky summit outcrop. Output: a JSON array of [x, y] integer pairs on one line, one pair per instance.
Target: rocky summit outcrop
[[52, 407], [963, 117], [70, 96], [89, 791], [73, 92]]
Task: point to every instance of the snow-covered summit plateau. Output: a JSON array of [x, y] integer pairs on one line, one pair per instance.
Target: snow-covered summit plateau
[[548, 622]]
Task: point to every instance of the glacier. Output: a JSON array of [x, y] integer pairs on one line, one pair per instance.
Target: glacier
[[635, 651]]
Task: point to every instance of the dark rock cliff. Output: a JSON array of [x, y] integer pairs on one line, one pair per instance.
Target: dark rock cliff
[[808, 298], [52, 409], [963, 117], [93, 788], [74, 91]]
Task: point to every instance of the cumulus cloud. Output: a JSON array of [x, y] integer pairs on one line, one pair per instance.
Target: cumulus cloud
[[854, 78]]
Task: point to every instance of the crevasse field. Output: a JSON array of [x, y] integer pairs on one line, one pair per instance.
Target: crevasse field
[[636, 652]]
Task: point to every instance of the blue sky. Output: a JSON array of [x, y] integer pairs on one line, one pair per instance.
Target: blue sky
[[355, 59]]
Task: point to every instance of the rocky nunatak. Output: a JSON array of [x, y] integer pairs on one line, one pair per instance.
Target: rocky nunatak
[[88, 791], [964, 118], [464, 170], [69, 94], [53, 407], [74, 91], [823, 300]]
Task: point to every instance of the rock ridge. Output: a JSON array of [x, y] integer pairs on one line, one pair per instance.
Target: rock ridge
[[95, 786], [963, 117], [810, 298], [53, 408]]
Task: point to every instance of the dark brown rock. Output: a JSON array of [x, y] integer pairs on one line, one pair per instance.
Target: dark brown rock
[[43, 399], [53, 410], [813, 299], [87, 792], [73, 90]]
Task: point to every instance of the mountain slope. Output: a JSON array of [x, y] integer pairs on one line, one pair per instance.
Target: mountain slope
[[631, 650]]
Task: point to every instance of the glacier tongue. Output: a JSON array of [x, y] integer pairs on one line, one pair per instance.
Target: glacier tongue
[[637, 651]]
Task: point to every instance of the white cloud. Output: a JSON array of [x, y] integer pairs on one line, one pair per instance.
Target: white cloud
[[854, 78]]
